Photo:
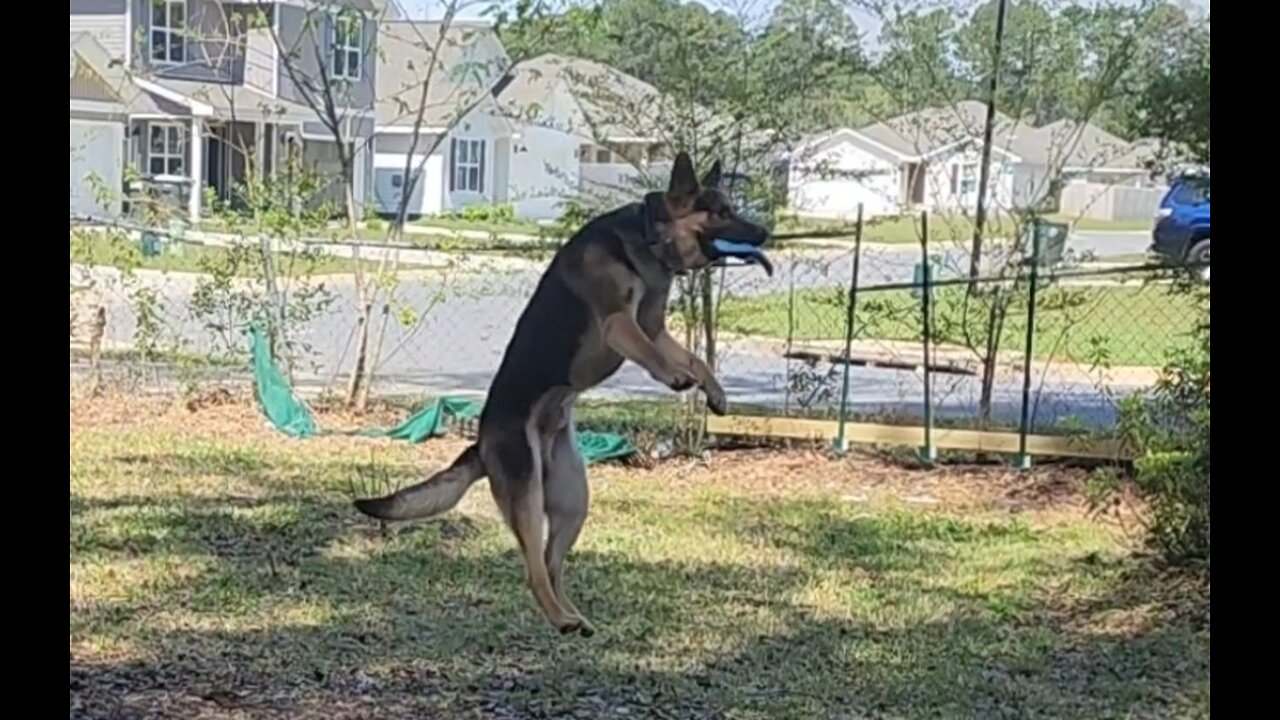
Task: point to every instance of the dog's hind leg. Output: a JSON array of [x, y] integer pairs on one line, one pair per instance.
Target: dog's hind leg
[[514, 460], [567, 496]]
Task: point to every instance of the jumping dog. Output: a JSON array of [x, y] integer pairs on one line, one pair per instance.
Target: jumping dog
[[602, 300]]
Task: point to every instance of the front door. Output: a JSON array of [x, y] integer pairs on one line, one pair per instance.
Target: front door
[[215, 175]]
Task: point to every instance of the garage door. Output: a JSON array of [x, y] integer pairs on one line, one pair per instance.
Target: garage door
[[97, 149], [840, 198], [322, 158]]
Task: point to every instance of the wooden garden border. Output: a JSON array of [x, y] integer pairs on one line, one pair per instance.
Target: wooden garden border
[[914, 436]]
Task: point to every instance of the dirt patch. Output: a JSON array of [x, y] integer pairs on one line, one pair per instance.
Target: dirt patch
[[858, 477]]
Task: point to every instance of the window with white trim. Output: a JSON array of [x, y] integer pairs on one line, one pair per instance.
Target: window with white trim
[[968, 178], [169, 31], [346, 45], [467, 172], [166, 149]]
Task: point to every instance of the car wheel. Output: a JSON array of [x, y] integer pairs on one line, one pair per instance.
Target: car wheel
[[1200, 254]]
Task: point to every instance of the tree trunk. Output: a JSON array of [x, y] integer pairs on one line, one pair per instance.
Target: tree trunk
[[991, 354], [357, 392], [98, 331], [709, 319]]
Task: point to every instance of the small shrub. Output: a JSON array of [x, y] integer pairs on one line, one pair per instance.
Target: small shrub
[[482, 213], [1170, 433]]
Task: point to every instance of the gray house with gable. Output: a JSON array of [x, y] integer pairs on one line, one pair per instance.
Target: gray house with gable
[[208, 91]]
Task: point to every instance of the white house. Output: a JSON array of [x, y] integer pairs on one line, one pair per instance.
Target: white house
[[928, 159], [830, 174], [457, 145], [584, 130], [532, 135]]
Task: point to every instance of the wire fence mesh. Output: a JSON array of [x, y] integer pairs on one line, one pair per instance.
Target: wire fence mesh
[[156, 312]]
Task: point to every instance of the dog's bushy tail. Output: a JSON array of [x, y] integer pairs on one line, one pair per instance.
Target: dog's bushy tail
[[433, 496]]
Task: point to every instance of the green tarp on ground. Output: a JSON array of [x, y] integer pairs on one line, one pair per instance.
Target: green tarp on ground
[[288, 414]]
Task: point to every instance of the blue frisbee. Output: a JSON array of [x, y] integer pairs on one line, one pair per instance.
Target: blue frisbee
[[750, 254]]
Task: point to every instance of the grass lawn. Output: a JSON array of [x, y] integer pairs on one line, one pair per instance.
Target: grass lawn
[[1091, 224], [218, 571], [498, 244], [1126, 259], [896, 230], [943, 227], [1129, 325], [113, 251], [519, 227], [948, 229]]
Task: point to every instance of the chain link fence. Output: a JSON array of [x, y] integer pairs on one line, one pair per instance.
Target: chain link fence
[[162, 312]]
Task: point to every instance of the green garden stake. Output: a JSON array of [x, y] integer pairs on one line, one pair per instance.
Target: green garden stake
[[1023, 460], [927, 269], [841, 443]]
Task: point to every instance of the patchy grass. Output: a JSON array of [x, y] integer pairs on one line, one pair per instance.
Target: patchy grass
[[511, 225], [114, 250], [1126, 259], [1123, 325], [944, 228], [218, 571], [948, 229], [1095, 225]]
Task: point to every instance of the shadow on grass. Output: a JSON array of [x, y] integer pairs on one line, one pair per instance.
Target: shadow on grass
[[275, 619]]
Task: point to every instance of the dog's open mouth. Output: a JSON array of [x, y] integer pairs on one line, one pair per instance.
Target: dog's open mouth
[[747, 252]]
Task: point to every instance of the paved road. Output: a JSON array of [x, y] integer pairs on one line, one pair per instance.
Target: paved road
[[1110, 244], [459, 344]]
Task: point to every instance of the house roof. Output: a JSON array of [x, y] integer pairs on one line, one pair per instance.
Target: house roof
[[817, 142], [581, 97], [456, 81], [928, 131], [234, 101], [1071, 144], [96, 78]]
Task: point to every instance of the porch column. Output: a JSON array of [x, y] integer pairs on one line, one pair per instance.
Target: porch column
[[260, 150], [197, 170]]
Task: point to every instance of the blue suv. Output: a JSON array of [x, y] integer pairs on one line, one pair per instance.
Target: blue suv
[[1181, 233]]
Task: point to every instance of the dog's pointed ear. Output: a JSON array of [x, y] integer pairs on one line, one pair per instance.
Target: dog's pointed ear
[[684, 181], [712, 178]]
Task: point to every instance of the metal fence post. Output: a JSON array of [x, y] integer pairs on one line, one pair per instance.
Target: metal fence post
[[791, 330], [927, 453], [1023, 460], [842, 443]]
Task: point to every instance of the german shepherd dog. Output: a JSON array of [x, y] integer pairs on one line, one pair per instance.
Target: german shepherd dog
[[602, 299]]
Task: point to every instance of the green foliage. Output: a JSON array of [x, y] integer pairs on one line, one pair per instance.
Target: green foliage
[[247, 284], [1173, 106], [1169, 430], [484, 213], [574, 213], [804, 64]]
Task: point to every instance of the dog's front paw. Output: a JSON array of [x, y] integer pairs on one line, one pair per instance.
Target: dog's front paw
[[679, 380]]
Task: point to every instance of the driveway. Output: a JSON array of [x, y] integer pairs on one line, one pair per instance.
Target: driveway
[[1104, 244]]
